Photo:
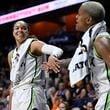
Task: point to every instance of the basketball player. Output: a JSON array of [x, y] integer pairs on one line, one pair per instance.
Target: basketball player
[[25, 69]]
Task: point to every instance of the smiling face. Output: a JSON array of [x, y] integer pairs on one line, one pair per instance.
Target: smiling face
[[20, 31]]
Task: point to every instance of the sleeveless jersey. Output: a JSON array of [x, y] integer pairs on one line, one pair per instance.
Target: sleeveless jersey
[[100, 71], [31, 72]]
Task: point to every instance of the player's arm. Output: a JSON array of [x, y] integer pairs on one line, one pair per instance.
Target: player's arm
[[10, 95], [39, 47], [65, 62], [102, 46], [9, 58]]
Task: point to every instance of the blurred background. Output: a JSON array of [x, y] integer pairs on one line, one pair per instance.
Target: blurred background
[[44, 24], [57, 27]]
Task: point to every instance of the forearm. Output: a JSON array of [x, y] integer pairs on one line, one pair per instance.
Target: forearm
[[65, 62], [55, 53], [10, 98], [52, 50]]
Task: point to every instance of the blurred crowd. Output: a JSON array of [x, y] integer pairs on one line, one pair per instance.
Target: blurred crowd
[[4, 81], [60, 96]]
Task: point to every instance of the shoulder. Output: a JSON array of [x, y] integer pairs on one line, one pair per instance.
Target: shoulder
[[103, 35], [10, 54], [102, 43], [102, 39]]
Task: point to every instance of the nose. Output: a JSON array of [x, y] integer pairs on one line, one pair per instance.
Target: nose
[[76, 16], [20, 29]]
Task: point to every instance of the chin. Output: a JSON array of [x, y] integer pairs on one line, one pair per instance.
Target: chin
[[77, 29]]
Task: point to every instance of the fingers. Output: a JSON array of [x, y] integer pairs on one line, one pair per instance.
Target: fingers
[[53, 64], [54, 68]]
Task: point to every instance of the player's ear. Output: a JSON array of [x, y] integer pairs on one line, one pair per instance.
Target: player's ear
[[89, 20]]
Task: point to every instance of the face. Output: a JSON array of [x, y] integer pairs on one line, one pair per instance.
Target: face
[[61, 86], [89, 106], [62, 106], [20, 31], [83, 20], [83, 93]]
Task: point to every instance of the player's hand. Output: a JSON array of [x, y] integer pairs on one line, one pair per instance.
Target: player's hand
[[53, 64]]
